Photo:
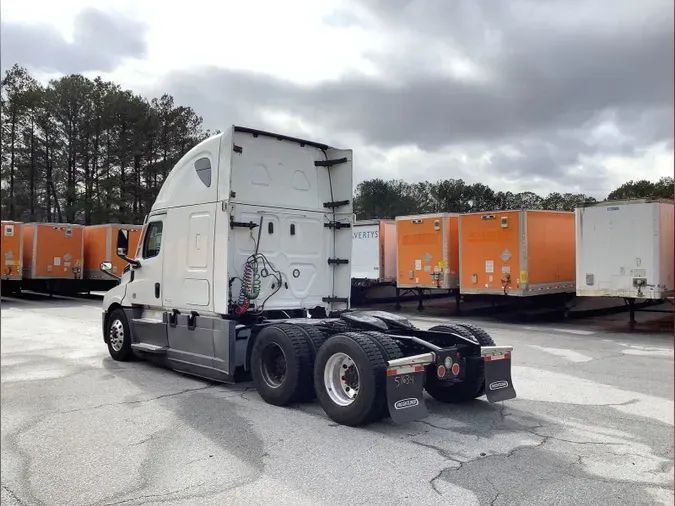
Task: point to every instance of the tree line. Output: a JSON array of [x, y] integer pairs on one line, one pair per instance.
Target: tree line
[[378, 198], [80, 150], [86, 151]]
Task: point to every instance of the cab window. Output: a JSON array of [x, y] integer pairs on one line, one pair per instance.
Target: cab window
[[153, 239]]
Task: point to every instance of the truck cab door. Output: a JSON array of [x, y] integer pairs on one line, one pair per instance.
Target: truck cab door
[[145, 287]]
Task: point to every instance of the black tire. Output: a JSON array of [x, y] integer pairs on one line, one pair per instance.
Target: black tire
[[117, 321], [388, 347], [370, 403], [285, 347], [315, 339], [485, 340], [390, 351], [473, 385], [481, 336], [456, 329]]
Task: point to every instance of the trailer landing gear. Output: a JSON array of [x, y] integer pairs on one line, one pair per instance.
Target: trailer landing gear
[[419, 292]]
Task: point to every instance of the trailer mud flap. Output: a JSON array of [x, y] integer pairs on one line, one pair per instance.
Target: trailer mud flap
[[405, 393], [498, 382]]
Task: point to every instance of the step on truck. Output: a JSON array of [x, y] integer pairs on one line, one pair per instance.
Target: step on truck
[[243, 271]]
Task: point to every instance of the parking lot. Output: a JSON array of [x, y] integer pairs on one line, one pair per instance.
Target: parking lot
[[592, 424]]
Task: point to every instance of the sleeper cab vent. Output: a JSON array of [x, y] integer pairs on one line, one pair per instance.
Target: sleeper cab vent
[[203, 168]]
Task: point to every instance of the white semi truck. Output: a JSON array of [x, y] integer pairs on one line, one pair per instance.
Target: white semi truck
[[244, 270]]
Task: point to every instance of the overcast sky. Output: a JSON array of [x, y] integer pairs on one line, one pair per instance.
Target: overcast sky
[[540, 95]]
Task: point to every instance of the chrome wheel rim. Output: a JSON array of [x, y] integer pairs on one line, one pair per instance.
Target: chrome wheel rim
[[116, 335], [341, 379]]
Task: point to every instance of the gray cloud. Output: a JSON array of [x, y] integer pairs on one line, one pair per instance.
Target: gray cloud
[[561, 82], [102, 40], [553, 70]]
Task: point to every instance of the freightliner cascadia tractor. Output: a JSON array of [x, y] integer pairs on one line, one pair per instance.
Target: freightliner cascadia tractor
[[243, 271]]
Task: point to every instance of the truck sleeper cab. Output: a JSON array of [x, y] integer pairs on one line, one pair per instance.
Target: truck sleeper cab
[[243, 268]]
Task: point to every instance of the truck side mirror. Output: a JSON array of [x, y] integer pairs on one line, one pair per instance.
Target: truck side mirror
[[106, 267], [122, 242], [123, 248]]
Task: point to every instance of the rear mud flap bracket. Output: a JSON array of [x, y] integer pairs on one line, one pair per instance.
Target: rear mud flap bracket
[[405, 393]]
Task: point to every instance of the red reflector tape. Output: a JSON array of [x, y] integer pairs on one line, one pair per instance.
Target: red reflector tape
[[406, 369], [487, 358]]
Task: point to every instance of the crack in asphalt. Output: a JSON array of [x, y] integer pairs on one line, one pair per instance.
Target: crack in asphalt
[[477, 436], [556, 438], [443, 453], [162, 396], [13, 495], [148, 439], [144, 498], [501, 417], [497, 492]]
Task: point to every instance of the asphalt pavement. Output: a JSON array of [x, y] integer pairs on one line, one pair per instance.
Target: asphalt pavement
[[592, 424]]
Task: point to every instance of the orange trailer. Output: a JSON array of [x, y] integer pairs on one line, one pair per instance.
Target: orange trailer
[[427, 252], [518, 253], [12, 245], [99, 246], [52, 251]]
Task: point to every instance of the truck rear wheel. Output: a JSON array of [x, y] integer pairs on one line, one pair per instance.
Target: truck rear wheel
[[349, 379], [485, 340], [390, 351], [315, 339], [281, 365], [118, 336], [473, 385], [388, 347]]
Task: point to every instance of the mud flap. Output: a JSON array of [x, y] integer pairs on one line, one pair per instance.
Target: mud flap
[[498, 382], [405, 393]]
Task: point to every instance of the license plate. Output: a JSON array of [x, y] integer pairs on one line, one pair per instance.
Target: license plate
[[405, 394]]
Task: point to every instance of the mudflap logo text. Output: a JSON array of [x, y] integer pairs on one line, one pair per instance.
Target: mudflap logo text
[[406, 403], [498, 385]]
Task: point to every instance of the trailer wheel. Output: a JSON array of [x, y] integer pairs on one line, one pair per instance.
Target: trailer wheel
[[472, 387], [281, 365], [118, 336], [349, 379]]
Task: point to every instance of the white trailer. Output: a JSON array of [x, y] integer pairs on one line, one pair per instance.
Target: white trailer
[[373, 252], [243, 268], [625, 249]]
